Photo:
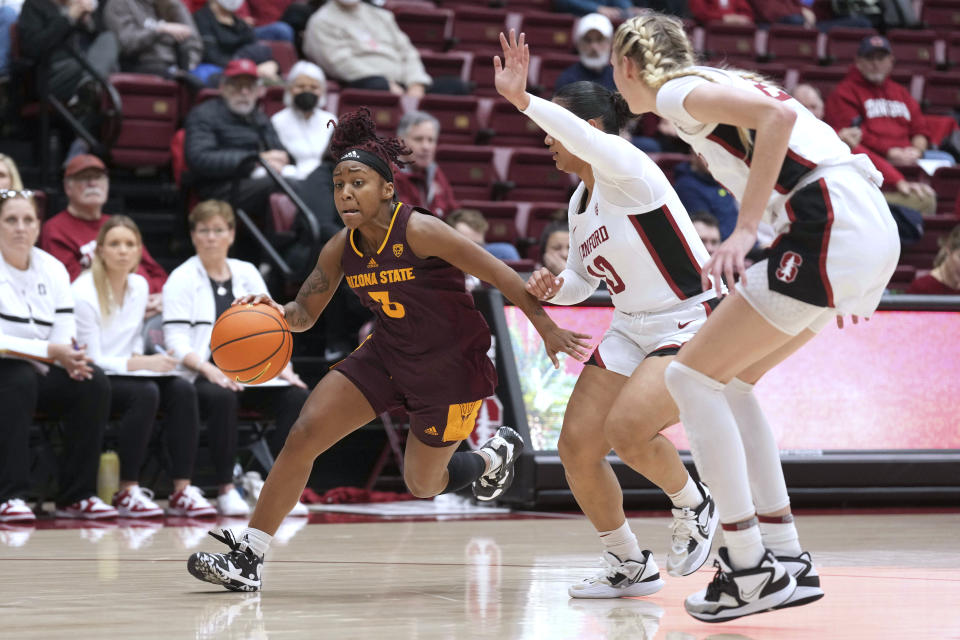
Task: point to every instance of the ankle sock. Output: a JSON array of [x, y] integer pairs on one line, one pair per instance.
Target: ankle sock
[[744, 545], [257, 540], [621, 542], [780, 535], [689, 496]]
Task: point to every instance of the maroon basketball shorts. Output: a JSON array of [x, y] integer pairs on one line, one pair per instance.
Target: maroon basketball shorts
[[436, 425]]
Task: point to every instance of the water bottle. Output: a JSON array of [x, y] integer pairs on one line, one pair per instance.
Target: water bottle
[[108, 478]]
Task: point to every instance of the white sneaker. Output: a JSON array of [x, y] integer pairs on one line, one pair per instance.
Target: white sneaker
[[252, 484], [92, 508], [733, 594], [136, 502], [231, 504], [693, 531], [621, 578], [16, 510], [190, 503], [808, 580]]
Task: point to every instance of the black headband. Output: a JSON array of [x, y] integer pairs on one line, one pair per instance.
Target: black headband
[[372, 160]]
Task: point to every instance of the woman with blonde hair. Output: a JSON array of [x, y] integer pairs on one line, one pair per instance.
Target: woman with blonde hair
[[110, 300], [835, 250], [9, 175]]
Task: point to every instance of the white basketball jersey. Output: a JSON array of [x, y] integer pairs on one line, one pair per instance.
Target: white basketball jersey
[[813, 143], [633, 233]]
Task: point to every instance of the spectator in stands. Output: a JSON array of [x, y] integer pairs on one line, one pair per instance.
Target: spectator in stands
[[110, 300], [303, 125], [708, 228], [9, 175], [796, 12], [71, 235], [224, 136], [554, 247], [51, 30], [422, 182], [698, 191], [362, 45], [889, 119], [226, 36], [8, 17], [613, 9], [268, 22], [726, 11], [471, 223], [157, 37], [43, 366], [593, 34], [196, 294], [915, 195], [945, 277]]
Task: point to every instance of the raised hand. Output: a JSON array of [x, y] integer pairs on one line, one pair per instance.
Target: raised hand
[[259, 298], [543, 285], [510, 78]]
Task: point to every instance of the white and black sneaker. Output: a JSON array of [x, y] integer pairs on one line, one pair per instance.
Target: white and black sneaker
[[693, 531], [808, 581], [238, 570], [507, 444], [621, 579], [733, 594]]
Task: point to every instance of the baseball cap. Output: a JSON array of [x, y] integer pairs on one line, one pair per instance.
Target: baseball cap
[[873, 43], [593, 21], [240, 67], [83, 162]]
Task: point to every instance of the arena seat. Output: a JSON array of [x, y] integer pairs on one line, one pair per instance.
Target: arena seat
[[551, 65], [946, 182], [385, 108], [272, 100], [843, 42], [792, 45], [500, 214], [452, 63], [150, 115], [735, 43], [469, 169], [532, 175], [283, 53], [426, 26], [478, 29], [942, 15], [512, 128], [463, 120], [540, 215], [548, 32], [668, 162], [823, 78], [941, 92], [913, 49]]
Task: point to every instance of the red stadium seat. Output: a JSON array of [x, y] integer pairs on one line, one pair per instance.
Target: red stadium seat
[[823, 79], [913, 49], [549, 32], [478, 30], [469, 169], [452, 63], [792, 45], [952, 50], [384, 107], [903, 275], [734, 43], [946, 182], [542, 214], [150, 115], [272, 100], [283, 53], [427, 27], [668, 162], [502, 217], [283, 212], [941, 92], [550, 67], [513, 129], [843, 42], [942, 15], [532, 175], [461, 118]]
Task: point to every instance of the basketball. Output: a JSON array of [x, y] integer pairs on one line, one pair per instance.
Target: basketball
[[251, 343]]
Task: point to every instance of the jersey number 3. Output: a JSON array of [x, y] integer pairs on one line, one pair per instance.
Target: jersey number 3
[[391, 308], [601, 268]]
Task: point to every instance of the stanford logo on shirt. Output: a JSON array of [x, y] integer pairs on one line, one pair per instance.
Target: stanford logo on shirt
[[789, 267]]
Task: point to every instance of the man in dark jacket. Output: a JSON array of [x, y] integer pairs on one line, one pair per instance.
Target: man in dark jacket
[[55, 28], [225, 134], [593, 34]]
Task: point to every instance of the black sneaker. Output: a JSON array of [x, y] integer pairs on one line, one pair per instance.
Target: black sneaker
[[238, 570], [507, 444], [733, 594], [808, 580]]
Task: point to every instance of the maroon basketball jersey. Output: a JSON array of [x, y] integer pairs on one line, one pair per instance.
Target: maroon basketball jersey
[[428, 333]]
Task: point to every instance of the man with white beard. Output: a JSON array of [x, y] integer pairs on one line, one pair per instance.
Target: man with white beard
[[71, 235], [593, 34]]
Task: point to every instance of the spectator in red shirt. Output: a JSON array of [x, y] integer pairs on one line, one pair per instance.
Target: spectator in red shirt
[[422, 182], [945, 277], [71, 235], [887, 115], [728, 11]]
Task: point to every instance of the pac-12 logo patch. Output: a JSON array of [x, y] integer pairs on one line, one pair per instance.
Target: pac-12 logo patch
[[789, 267], [398, 250]]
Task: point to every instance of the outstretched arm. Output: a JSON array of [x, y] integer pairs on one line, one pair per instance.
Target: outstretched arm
[[428, 236]]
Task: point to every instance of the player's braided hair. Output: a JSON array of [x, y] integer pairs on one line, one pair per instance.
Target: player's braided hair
[[357, 130]]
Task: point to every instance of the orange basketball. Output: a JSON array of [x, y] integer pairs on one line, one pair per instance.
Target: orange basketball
[[251, 343]]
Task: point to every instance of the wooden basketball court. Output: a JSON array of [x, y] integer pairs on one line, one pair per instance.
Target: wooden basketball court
[[886, 575]]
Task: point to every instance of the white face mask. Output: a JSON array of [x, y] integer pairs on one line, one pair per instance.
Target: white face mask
[[230, 5], [594, 63]]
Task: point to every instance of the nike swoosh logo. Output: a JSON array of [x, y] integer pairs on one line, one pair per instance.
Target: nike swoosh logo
[[681, 325], [750, 595]]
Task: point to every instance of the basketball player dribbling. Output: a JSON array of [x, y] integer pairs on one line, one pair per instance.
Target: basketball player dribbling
[[629, 229], [835, 251], [427, 353]]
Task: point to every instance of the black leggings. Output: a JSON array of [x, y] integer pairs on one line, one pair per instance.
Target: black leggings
[[82, 408], [137, 400], [220, 408]]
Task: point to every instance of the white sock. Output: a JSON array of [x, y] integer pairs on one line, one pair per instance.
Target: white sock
[[257, 540], [744, 546], [689, 496], [493, 460], [714, 439], [781, 538], [763, 455], [621, 542]]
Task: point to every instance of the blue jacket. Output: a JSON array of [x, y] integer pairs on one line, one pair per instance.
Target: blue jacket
[[700, 192], [577, 72]]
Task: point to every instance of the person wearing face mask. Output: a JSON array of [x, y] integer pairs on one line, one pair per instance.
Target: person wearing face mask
[[302, 125], [593, 35], [71, 235], [226, 36], [362, 45]]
